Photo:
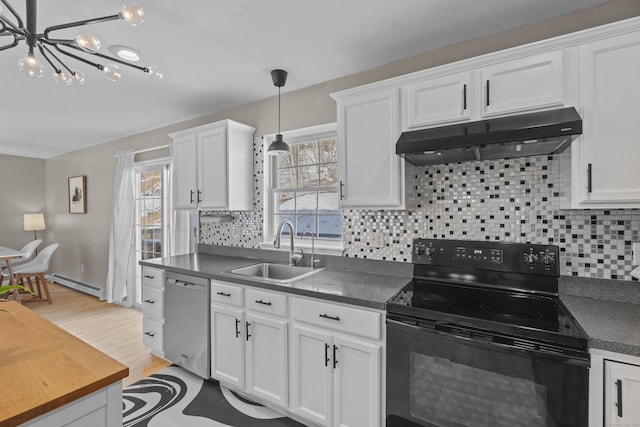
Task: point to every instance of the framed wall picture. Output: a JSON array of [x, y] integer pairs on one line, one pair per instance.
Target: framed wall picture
[[78, 194]]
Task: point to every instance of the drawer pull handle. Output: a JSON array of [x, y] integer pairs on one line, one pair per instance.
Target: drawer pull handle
[[326, 316], [263, 302], [224, 294], [148, 277], [150, 301], [151, 334]]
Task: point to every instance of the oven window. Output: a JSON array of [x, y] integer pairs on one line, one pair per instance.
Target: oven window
[[450, 394]]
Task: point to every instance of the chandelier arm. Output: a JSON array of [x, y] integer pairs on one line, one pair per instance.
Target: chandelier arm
[[79, 23], [10, 26], [78, 58], [60, 61], [10, 45], [44, 55], [110, 58], [14, 13]]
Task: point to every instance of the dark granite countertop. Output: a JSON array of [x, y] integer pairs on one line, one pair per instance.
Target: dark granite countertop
[[350, 282], [608, 311]]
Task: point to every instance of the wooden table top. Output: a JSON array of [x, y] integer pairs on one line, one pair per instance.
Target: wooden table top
[[43, 367]]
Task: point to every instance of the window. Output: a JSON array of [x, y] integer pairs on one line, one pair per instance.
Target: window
[[303, 187], [152, 216]]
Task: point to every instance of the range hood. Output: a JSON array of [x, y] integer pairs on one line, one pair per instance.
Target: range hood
[[545, 132]]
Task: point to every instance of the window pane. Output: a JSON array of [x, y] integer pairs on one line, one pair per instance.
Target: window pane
[[285, 203], [308, 153], [290, 159], [287, 178], [328, 202], [307, 203], [306, 223], [328, 150], [308, 176], [328, 174], [330, 226]]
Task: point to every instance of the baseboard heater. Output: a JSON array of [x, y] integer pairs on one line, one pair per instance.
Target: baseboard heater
[[79, 285]]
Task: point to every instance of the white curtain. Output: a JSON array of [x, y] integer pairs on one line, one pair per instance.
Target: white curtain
[[122, 271]]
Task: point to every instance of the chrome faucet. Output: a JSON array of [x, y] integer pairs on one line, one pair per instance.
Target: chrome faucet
[[293, 255], [313, 259]]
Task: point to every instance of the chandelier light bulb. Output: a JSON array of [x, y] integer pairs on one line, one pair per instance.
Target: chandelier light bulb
[[78, 77], [112, 72], [132, 13], [30, 66], [88, 41], [62, 78], [155, 73]]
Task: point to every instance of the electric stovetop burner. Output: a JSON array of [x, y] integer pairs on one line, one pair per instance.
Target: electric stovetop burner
[[511, 311]]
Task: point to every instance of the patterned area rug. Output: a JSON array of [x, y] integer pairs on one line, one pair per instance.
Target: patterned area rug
[[174, 397]]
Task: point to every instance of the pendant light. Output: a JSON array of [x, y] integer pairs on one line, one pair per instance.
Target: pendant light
[[278, 147]]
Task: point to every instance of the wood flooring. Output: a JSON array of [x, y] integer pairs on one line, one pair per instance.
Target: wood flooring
[[111, 328]]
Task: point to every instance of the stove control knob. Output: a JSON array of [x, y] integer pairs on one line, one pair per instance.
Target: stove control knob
[[431, 251], [420, 249], [531, 259], [547, 259]]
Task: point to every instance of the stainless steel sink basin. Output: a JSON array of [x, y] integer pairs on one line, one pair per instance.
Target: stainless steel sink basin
[[274, 273]]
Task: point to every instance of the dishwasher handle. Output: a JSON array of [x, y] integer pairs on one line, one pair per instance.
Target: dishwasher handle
[[186, 285]]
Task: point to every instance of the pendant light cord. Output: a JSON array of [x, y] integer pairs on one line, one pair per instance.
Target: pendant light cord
[[278, 109]]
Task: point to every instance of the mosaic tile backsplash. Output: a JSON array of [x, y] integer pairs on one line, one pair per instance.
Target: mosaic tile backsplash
[[512, 200]]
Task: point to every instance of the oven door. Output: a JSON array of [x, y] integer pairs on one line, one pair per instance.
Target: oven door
[[440, 379]]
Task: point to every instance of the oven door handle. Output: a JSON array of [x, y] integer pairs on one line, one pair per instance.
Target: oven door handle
[[564, 358]]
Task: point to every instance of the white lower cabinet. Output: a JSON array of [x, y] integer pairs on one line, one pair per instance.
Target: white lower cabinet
[[153, 309], [614, 390], [249, 348], [227, 345], [621, 394], [335, 377]]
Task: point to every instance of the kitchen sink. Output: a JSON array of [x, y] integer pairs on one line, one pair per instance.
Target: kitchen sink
[[274, 273]]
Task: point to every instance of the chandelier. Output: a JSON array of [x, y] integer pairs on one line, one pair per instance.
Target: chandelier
[[56, 51]]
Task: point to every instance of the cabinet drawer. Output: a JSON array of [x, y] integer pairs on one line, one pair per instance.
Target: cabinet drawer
[[152, 334], [152, 302], [226, 293], [152, 278], [332, 316], [267, 302]]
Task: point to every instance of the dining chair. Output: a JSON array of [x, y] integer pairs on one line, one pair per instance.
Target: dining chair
[[28, 253], [35, 269]]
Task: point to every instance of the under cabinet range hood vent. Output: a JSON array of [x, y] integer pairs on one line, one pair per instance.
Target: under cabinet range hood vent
[[545, 132]]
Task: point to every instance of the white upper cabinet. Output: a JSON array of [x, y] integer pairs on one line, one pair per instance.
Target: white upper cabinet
[[213, 167], [371, 174], [521, 85], [438, 101], [606, 162]]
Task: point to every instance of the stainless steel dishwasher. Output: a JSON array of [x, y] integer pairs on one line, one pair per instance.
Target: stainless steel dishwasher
[[186, 322]]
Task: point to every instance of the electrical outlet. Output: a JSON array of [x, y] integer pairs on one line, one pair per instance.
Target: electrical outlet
[[376, 239], [237, 232], [82, 268], [636, 253]]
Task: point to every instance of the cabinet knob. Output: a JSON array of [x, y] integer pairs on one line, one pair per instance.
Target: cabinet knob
[[150, 301]]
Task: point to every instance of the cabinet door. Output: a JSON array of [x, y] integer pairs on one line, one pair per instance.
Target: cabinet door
[[227, 345], [520, 85], [609, 172], [266, 364], [439, 101], [311, 374], [185, 183], [212, 168], [356, 383], [371, 174], [622, 394]]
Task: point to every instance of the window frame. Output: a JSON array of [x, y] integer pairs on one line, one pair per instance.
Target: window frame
[[270, 180]]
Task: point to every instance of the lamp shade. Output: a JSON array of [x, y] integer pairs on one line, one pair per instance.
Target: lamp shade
[[33, 222]]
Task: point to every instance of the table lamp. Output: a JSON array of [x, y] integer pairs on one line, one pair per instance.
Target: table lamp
[[34, 222]]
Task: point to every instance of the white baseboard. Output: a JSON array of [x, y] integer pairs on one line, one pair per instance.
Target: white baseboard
[[78, 285]]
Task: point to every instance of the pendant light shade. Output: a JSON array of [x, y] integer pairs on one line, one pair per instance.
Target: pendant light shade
[[278, 147]]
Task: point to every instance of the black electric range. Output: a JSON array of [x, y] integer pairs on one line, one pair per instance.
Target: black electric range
[[479, 337]]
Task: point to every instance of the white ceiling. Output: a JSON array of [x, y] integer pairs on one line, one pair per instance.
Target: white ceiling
[[218, 53]]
